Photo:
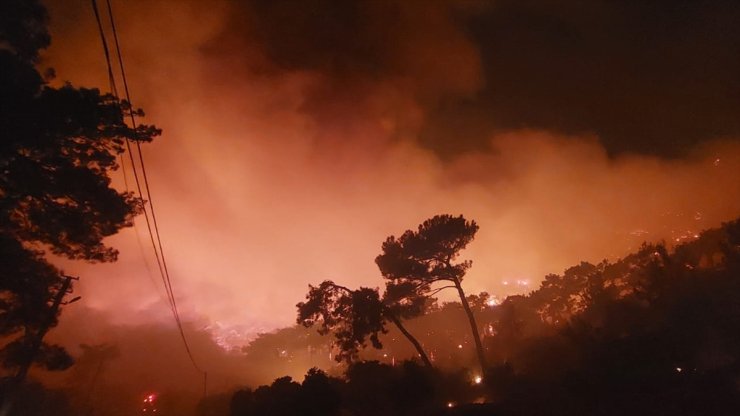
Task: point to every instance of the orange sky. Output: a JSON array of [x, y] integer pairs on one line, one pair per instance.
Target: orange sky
[[267, 179]]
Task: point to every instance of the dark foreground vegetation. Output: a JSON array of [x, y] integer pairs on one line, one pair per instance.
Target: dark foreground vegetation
[[653, 333], [58, 148]]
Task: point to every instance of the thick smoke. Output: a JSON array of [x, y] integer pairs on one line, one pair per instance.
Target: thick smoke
[[297, 139]]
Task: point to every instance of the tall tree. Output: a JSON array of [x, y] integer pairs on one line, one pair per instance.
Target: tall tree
[[57, 150], [420, 259], [354, 316]]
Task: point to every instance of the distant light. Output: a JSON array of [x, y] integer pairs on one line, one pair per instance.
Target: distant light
[[679, 369], [450, 404], [477, 379], [492, 302], [505, 283], [385, 355], [459, 346]]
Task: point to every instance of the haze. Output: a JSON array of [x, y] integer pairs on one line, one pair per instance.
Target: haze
[[281, 169]]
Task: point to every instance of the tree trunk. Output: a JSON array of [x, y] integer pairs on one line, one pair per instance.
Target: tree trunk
[[36, 342], [411, 338], [473, 327]]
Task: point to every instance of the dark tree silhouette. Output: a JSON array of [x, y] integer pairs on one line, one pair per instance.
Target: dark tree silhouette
[[320, 396], [367, 388], [58, 147], [652, 333], [418, 260], [354, 316]]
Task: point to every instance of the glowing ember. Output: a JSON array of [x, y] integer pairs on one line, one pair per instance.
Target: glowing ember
[[492, 302], [149, 404]]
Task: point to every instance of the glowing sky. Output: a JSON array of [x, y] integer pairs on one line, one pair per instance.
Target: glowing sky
[[297, 139]]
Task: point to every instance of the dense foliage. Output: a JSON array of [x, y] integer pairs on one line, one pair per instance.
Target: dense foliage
[[411, 264], [57, 151], [353, 316], [652, 333]]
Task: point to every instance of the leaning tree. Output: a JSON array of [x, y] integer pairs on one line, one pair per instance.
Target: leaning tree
[[421, 260], [356, 316]]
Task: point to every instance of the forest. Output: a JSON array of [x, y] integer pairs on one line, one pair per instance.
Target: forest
[[652, 332]]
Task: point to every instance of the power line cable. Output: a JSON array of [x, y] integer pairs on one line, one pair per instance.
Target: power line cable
[[114, 92], [149, 199], [139, 243], [146, 181], [158, 248], [149, 196]]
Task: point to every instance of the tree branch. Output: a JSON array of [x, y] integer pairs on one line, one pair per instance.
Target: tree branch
[[340, 287], [435, 291]]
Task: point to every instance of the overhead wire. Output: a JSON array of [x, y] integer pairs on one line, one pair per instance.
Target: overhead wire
[[114, 91], [158, 248], [147, 198]]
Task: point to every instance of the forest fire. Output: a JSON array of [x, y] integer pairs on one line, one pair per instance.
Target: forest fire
[[361, 207]]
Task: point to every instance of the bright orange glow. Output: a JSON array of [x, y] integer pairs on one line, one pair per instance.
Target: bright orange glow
[[494, 301], [261, 187]]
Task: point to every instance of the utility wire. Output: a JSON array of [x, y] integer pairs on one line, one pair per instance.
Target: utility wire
[[114, 92], [168, 282], [158, 249], [139, 243]]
